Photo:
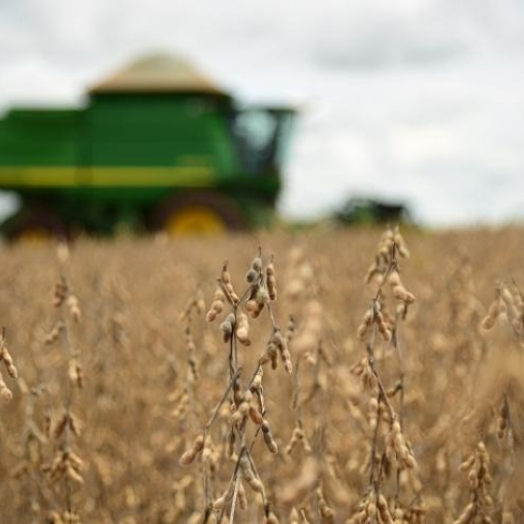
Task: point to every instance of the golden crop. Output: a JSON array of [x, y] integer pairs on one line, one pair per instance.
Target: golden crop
[[344, 377]]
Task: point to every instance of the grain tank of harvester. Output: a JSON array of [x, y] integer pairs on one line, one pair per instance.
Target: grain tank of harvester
[[156, 146]]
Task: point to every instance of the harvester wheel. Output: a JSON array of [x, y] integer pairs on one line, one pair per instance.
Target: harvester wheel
[[35, 226], [199, 213]]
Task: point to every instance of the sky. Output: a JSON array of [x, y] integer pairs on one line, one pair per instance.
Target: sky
[[416, 101]]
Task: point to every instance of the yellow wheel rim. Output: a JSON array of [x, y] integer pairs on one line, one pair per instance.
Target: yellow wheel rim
[[36, 235], [195, 220]]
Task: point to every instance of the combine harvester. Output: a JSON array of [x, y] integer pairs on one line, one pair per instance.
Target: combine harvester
[[157, 147]]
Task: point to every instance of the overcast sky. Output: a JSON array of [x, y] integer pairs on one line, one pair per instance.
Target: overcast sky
[[415, 100]]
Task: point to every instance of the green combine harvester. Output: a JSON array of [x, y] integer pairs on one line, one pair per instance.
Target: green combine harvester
[[156, 147]]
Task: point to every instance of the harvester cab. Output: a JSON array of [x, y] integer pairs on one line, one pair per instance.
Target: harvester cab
[[157, 146], [262, 136]]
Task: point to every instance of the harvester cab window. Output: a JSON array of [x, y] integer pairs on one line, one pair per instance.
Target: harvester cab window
[[261, 136]]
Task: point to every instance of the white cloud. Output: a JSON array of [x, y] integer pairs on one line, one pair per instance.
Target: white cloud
[[416, 99]]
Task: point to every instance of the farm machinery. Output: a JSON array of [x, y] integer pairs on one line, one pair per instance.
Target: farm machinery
[[157, 146]]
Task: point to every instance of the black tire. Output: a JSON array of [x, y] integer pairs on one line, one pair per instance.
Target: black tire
[[223, 207], [35, 224]]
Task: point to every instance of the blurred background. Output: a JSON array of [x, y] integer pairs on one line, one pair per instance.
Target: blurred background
[[412, 101]]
